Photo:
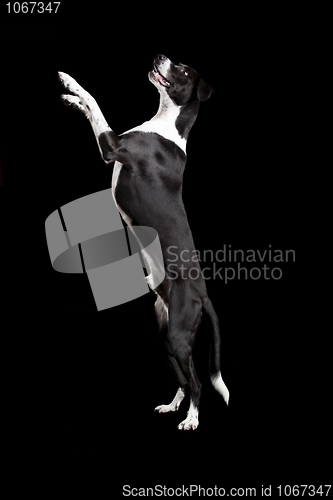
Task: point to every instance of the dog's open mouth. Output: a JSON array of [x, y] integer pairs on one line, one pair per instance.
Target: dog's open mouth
[[160, 78]]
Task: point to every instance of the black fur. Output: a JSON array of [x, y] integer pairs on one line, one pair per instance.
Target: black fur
[[149, 192]]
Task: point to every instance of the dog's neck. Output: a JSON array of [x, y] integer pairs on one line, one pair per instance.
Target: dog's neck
[[165, 122], [181, 118], [167, 111]]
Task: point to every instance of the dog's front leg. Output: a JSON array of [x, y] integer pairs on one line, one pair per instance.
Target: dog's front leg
[[107, 140]]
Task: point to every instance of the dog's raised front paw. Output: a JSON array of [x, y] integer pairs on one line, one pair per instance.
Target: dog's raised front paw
[[69, 83], [65, 79], [73, 101]]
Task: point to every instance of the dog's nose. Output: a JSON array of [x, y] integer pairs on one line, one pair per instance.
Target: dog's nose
[[160, 57]]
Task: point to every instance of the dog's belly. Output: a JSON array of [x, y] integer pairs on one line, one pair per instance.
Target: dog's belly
[[155, 267]]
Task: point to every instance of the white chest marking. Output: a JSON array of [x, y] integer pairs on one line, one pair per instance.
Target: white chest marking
[[163, 128], [164, 122]]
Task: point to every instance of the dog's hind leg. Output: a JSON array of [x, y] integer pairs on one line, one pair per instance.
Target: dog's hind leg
[[184, 319], [162, 318]]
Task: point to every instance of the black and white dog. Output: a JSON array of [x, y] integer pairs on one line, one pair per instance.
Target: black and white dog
[[147, 189]]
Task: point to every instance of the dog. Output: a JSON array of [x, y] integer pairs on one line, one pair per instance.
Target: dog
[[147, 179]]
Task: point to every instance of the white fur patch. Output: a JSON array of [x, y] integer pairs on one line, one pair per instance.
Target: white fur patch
[[74, 101], [175, 403], [220, 386], [86, 103], [115, 175], [192, 419], [162, 126], [164, 122]]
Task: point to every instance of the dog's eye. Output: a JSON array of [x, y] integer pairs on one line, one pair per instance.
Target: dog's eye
[[185, 72]]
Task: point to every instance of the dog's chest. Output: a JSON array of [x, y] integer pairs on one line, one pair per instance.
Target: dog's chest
[[154, 165], [163, 128]]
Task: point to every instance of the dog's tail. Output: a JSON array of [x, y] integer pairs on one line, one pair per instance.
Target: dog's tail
[[215, 346]]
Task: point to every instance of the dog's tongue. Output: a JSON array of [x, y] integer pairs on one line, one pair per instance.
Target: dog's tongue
[[160, 78]]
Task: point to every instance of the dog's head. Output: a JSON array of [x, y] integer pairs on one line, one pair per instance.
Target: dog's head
[[180, 82]]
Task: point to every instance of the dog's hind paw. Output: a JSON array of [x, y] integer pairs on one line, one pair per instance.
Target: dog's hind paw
[[192, 419], [167, 408], [175, 403], [191, 422]]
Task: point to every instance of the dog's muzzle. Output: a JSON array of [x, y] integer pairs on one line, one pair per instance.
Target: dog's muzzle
[[161, 67]]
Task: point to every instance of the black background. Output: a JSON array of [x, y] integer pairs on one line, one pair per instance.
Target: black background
[[82, 385]]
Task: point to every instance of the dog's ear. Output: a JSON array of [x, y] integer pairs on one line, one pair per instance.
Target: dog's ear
[[204, 91]]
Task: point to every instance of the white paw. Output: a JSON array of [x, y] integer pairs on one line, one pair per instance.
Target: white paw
[[175, 403], [191, 422], [167, 408], [68, 82], [73, 101]]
